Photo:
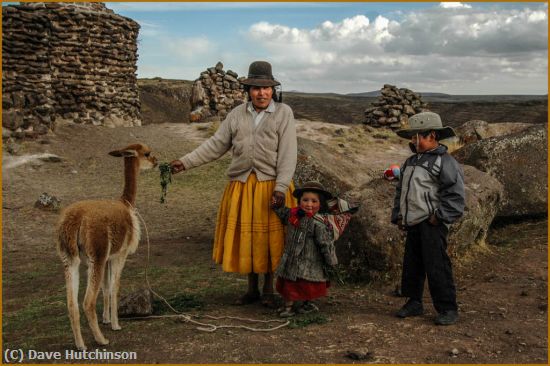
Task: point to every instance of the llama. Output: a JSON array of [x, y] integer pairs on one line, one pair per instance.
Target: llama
[[104, 232]]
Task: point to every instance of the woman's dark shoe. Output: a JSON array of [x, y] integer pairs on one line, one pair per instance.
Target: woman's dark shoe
[[448, 317], [411, 308], [270, 301], [248, 298]]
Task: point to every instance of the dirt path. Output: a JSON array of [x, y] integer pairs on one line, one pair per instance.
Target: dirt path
[[502, 294]]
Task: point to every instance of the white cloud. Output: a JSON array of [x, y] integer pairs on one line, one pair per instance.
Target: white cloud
[[454, 5], [434, 49], [471, 32]]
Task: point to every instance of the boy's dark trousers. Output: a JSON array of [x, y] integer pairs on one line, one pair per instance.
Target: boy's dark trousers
[[426, 255]]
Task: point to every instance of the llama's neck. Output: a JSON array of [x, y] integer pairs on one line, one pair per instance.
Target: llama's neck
[[131, 169]]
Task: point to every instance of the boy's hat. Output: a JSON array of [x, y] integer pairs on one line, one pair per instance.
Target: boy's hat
[[424, 122], [312, 186], [259, 74]]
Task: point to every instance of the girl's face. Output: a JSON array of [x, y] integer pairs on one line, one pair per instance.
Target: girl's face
[[310, 202]]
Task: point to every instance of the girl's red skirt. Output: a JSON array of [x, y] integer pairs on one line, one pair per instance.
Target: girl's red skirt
[[301, 290]]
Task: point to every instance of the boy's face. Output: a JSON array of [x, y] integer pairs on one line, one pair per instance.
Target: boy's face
[[423, 144], [310, 202]]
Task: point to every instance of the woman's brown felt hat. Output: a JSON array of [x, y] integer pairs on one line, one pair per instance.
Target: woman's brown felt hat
[[259, 74], [312, 186]]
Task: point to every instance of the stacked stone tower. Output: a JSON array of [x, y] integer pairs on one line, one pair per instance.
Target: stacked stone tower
[[394, 107], [68, 62], [215, 93]]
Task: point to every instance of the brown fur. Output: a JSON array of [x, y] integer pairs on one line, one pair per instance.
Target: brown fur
[[103, 232]]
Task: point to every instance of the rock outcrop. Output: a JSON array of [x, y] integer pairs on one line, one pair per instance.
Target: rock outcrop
[[394, 107], [215, 93], [138, 303], [476, 130], [519, 161], [72, 62]]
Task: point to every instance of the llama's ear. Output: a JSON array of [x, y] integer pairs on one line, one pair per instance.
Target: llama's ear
[[124, 153]]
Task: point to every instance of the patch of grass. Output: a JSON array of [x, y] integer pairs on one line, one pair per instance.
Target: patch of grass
[[181, 303], [452, 144], [307, 319], [39, 323]]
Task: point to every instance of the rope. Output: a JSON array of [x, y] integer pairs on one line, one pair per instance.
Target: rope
[[205, 327]]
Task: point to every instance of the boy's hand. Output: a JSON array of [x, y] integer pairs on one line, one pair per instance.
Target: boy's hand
[[433, 220], [277, 199], [176, 166], [400, 224]]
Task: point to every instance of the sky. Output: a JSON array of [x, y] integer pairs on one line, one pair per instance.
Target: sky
[[455, 48]]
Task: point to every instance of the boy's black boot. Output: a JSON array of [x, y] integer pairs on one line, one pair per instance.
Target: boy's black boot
[[411, 308], [447, 317]]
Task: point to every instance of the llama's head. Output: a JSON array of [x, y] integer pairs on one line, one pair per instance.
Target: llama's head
[[142, 152]]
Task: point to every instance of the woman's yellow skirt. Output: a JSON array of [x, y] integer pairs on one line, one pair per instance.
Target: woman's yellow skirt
[[249, 235]]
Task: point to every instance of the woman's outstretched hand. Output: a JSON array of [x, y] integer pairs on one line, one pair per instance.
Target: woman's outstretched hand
[[176, 166]]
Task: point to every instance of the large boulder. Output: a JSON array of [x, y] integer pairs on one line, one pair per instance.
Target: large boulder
[[476, 130], [321, 163], [372, 248], [519, 161]]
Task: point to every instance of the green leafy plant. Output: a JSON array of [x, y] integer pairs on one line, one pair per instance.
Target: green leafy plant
[[307, 319], [165, 179]]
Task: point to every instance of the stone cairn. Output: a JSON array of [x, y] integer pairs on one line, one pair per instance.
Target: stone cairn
[[394, 107], [67, 62], [215, 93]]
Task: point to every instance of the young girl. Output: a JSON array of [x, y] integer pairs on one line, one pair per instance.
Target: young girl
[[309, 249]]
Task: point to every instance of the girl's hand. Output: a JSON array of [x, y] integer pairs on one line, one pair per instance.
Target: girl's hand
[[277, 199]]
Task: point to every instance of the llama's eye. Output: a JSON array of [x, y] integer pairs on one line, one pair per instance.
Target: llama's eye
[[147, 154]]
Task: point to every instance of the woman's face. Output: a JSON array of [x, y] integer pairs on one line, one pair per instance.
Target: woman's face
[[261, 96], [310, 202]]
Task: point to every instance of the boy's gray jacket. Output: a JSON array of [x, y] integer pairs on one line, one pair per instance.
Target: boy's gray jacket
[[309, 248], [430, 183]]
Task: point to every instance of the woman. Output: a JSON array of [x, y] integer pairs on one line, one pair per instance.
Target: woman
[[261, 135]]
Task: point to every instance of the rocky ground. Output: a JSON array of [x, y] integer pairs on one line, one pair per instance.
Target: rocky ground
[[502, 288]]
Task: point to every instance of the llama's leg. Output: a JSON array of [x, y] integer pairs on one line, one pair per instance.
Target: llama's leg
[[116, 272], [71, 280], [95, 276], [106, 289]]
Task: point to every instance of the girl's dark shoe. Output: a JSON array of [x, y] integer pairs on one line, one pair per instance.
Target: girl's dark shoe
[[308, 307], [411, 308], [287, 312], [448, 317]]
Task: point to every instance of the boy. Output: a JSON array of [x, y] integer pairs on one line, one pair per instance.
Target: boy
[[429, 197]]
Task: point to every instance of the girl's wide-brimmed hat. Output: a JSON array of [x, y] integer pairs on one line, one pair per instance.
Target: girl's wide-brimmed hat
[[312, 186], [424, 122], [259, 74]]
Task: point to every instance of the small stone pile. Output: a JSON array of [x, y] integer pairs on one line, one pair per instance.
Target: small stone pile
[[215, 93], [394, 107], [67, 62]]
